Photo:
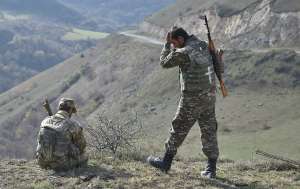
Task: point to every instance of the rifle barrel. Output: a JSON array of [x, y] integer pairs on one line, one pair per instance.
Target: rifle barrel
[[206, 23], [276, 157]]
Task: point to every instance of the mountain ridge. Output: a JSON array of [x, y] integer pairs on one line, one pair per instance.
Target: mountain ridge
[[234, 24], [116, 14]]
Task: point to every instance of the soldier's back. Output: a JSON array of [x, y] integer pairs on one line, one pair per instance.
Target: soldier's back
[[55, 143], [196, 76]]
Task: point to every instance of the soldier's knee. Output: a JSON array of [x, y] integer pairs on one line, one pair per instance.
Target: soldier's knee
[[214, 127], [210, 128], [183, 123], [176, 121], [171, 147], [177, 126]]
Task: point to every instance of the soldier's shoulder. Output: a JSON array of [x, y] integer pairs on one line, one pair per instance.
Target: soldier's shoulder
[[75, 124], [47, 120]]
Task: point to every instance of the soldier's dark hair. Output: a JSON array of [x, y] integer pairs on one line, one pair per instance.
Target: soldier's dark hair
[[64, 107], [176, 32]]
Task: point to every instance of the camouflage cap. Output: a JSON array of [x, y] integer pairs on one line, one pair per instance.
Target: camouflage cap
[[68, 102]]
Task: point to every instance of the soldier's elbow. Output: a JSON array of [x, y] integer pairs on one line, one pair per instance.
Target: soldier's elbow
[[164, 65]]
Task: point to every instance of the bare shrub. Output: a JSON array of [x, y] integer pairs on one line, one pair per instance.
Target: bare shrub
[[114, 135]]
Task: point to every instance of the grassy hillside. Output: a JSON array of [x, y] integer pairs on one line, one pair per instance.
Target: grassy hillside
[[122, 76], [135, 175], [89, 80]]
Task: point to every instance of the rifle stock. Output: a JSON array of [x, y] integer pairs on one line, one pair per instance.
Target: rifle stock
[[47, 107], [223, 88]]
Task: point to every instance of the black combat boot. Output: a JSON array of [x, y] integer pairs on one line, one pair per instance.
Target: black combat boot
[[211, 168], [163, 164]]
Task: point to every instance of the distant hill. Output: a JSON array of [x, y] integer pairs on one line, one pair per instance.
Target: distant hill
[[115, 14], [37, 34], [29, 46], [53, 10], [30, 33]]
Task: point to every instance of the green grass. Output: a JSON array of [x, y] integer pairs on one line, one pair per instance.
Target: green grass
[[280, 6], [280, 141], [42, 185], [79, 34], [11, 17]]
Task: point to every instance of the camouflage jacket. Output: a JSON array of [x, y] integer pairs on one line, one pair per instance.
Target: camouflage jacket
[[194, 62], [69, 141]]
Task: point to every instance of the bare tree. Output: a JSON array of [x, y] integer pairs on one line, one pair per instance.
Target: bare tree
[[114, 135]]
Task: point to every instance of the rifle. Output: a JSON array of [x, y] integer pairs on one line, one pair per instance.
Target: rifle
[[216, 58], [276, 157], [47, 107]]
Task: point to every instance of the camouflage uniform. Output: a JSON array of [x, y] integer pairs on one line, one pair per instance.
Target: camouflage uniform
[[61, 143], [197, 102]]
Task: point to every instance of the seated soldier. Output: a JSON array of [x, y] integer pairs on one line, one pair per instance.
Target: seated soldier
[[61, 143]]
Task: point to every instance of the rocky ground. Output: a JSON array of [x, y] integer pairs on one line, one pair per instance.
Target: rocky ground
[[131, 174]]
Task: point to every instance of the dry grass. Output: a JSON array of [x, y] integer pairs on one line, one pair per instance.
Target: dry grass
[[104, 173]]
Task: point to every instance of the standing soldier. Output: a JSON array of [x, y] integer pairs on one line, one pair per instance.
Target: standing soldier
[[197, 102], [61, 143]]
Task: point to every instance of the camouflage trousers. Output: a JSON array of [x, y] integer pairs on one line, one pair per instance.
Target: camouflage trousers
[[63, 163], [194, 107]]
